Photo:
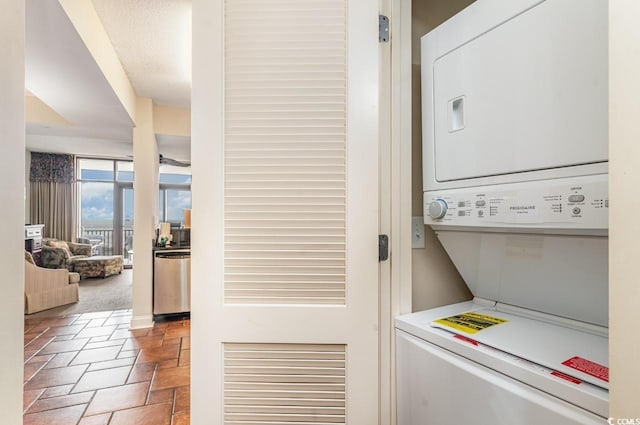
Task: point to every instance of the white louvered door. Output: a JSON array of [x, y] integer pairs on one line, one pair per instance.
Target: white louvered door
[[292, 207]]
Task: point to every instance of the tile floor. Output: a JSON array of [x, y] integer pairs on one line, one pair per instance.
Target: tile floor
[[90, 369]]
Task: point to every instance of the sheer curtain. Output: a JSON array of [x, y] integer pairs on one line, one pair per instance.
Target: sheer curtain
[[53, 194]]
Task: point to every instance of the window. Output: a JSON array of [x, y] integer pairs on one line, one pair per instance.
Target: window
[[124, 171], [96, 201], [95, 169], [105, 203], [175, 194]]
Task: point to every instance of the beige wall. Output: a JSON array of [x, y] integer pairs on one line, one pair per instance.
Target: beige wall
[[145, 212], [624, 226], [172, 121], [436, 281], [39, 112], [12, 22], [428, 14]]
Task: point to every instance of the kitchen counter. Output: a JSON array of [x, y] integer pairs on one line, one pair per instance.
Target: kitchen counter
[[171, 248]]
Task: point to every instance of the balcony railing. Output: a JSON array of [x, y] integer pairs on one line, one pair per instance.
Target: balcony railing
[[106, 236]]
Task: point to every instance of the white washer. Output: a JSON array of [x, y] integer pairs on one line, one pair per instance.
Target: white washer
[[446, 377], [538, 351], [516, 188]]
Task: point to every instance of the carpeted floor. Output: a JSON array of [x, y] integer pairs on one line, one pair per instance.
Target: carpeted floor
[[97, 294]]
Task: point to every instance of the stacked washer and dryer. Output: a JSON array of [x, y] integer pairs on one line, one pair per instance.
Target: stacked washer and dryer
[[515, 154]]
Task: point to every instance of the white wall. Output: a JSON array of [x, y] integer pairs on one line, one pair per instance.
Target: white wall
[[172, 146], [81, 146], [86, 22], [145, 212], [12, 27], [624, 226], [436, 281], [27, 187], [205, 103]]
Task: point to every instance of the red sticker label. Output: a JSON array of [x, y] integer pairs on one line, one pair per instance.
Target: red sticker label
[[587, 366], [465, 339], [566, 377]]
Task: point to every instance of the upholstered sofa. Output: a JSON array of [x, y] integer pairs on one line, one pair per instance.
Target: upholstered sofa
[[77, 258], [47, 288]]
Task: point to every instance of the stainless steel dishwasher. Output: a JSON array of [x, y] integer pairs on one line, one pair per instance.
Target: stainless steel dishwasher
[[172, 281]]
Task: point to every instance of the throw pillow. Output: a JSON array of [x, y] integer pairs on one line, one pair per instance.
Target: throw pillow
[[62, 245], [29, 258], [59, 244]]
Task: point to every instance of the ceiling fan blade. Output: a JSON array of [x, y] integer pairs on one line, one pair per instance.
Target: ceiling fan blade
[[175, 163]]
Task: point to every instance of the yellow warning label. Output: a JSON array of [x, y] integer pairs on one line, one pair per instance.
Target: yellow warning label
[[470, 322]]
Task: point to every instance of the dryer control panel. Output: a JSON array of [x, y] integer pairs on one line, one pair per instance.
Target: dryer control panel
[[568, 203]]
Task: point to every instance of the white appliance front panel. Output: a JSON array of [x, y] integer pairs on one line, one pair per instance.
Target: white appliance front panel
[[435, 386], [575, 203], [503, 101], [522, 98], [509, 360]]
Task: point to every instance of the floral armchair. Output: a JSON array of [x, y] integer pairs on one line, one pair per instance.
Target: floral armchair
[[76, 257], [61, 255]]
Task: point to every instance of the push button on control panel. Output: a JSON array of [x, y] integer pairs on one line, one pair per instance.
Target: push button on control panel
[[576, 198], [576, 211], [481, 203]]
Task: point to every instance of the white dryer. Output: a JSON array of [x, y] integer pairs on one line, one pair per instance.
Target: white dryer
[[515, 177]]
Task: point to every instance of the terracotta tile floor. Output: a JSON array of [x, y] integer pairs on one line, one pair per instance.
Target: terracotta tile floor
[[90, 369]]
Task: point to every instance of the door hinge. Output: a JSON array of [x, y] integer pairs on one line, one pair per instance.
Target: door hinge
[[383, 29], [383, 247]]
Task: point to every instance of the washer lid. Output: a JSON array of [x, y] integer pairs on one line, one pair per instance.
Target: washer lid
[[562, 275], [554, 343], [575, 353]]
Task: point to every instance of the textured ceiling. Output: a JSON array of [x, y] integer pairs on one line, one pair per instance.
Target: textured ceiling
[[153, 40]]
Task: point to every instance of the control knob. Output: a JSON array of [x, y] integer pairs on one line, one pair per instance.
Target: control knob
[[437, 209]]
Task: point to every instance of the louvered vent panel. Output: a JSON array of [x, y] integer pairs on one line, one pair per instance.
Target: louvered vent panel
[[285, 151], [291, 384]]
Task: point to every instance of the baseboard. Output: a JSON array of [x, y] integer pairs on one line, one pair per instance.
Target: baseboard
[[141, 322]]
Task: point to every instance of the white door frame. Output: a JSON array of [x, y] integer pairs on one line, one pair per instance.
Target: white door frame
[[624, 227], [395, 191]]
